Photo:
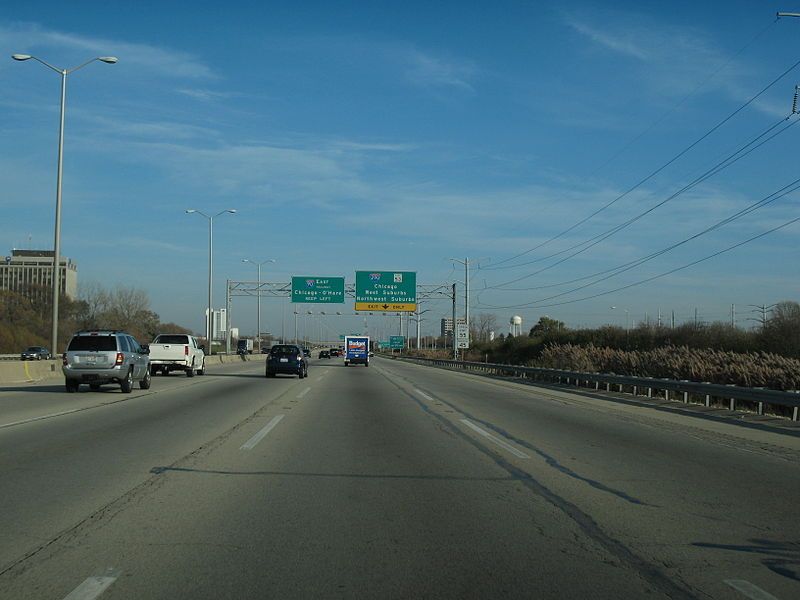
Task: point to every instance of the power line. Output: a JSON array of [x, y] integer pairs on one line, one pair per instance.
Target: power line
[[614, 271], [720, 166], [653, 278], [652, 173]]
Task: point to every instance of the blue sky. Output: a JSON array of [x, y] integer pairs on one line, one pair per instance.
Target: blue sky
[[397, 135]]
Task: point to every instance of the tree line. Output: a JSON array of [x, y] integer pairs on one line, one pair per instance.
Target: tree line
[[25, 318]]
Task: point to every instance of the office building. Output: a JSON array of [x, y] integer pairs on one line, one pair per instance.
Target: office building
[[447, 326], [30, 273]]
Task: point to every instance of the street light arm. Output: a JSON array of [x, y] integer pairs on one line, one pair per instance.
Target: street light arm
[[91, 60], [22, 57]]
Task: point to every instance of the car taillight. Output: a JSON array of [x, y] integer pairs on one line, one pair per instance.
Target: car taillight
[[186, 350], [120, 358]]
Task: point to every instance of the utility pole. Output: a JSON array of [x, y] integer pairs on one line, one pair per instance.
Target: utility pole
[[659, 318], [455, 347], [733, 316], [673, 320], [695, 317]]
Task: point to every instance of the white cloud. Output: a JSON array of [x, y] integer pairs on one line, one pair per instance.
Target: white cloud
[[611, 40], [31, 38], [425, 69]]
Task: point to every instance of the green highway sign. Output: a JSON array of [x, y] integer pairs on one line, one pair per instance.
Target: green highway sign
[[386, 291], [383, 344], [318, 290], [397, 342]]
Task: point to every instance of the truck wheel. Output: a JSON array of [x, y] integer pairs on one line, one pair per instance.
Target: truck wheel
[[190, 371], [72, 386], [154, 370], [95, 387], [366, 364], [144, 384], [126, 385], [165, 371], [202, 370]]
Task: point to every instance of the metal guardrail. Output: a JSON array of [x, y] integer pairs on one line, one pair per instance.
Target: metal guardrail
[[638, 386], [10, 356]]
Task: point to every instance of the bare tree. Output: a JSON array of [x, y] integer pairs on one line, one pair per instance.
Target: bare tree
[[483, 325]]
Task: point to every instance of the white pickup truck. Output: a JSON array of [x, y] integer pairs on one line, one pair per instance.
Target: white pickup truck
[[177, 352]]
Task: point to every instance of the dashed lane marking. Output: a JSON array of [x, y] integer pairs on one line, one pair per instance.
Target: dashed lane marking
[[748, 589], [496, 440], [251, 443], [92, 587]]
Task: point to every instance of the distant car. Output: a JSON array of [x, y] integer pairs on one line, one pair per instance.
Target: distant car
[[334, 352], [288, 359], [35, 353], [324, 354], [264, 350], [99, 357], [307, 352]]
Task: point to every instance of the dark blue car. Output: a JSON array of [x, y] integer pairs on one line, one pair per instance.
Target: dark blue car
[[288, 359]]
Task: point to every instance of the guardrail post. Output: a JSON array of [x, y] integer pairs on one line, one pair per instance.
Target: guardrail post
[[686, 397], [666, 395], [708, 400], [608, 387], [796, 413], [733, 404], [635, 390], [761, 408], [597, 385], [649, 392]]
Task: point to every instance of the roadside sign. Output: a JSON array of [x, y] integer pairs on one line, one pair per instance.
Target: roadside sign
[[462, 336], [383, 345], [386, 291], [318, 290], [397, 342]]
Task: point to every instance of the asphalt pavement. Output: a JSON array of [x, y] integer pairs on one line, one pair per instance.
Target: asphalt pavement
[[392, 481]]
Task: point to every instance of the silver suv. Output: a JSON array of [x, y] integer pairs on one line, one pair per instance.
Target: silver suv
[[98, 357]]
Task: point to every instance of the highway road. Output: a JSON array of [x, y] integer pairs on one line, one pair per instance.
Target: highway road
[[393, 481]]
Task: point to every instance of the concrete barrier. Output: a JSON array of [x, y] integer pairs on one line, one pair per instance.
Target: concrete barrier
[[29, 371], [25, 371]]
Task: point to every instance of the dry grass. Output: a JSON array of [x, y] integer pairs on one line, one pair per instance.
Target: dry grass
[[756, 369]]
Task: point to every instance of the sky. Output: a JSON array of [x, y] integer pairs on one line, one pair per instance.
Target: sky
[[396, 136]]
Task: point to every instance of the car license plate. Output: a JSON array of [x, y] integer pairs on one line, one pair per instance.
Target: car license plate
[[284, 360], [91, 359]]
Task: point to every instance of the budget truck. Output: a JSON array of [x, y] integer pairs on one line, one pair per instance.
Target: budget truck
[[356, 350]]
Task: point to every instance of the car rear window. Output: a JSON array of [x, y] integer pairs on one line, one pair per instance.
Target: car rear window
[[283, 350], [172, 339], [93, 342]]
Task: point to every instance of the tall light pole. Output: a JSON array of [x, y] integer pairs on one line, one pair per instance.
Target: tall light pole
[[57, 235], [258, 295], [210, 218]]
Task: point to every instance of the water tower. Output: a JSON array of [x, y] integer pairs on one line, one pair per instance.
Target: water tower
[[515, 326]]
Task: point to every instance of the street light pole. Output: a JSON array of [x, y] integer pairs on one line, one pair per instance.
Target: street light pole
[[210, 218], [59, 171], [258, 296]]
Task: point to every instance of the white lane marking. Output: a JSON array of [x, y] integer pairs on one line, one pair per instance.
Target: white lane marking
[[748, 589], [304, 392], [503, 444], [251, 443], [91, 588], [423, 394]]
